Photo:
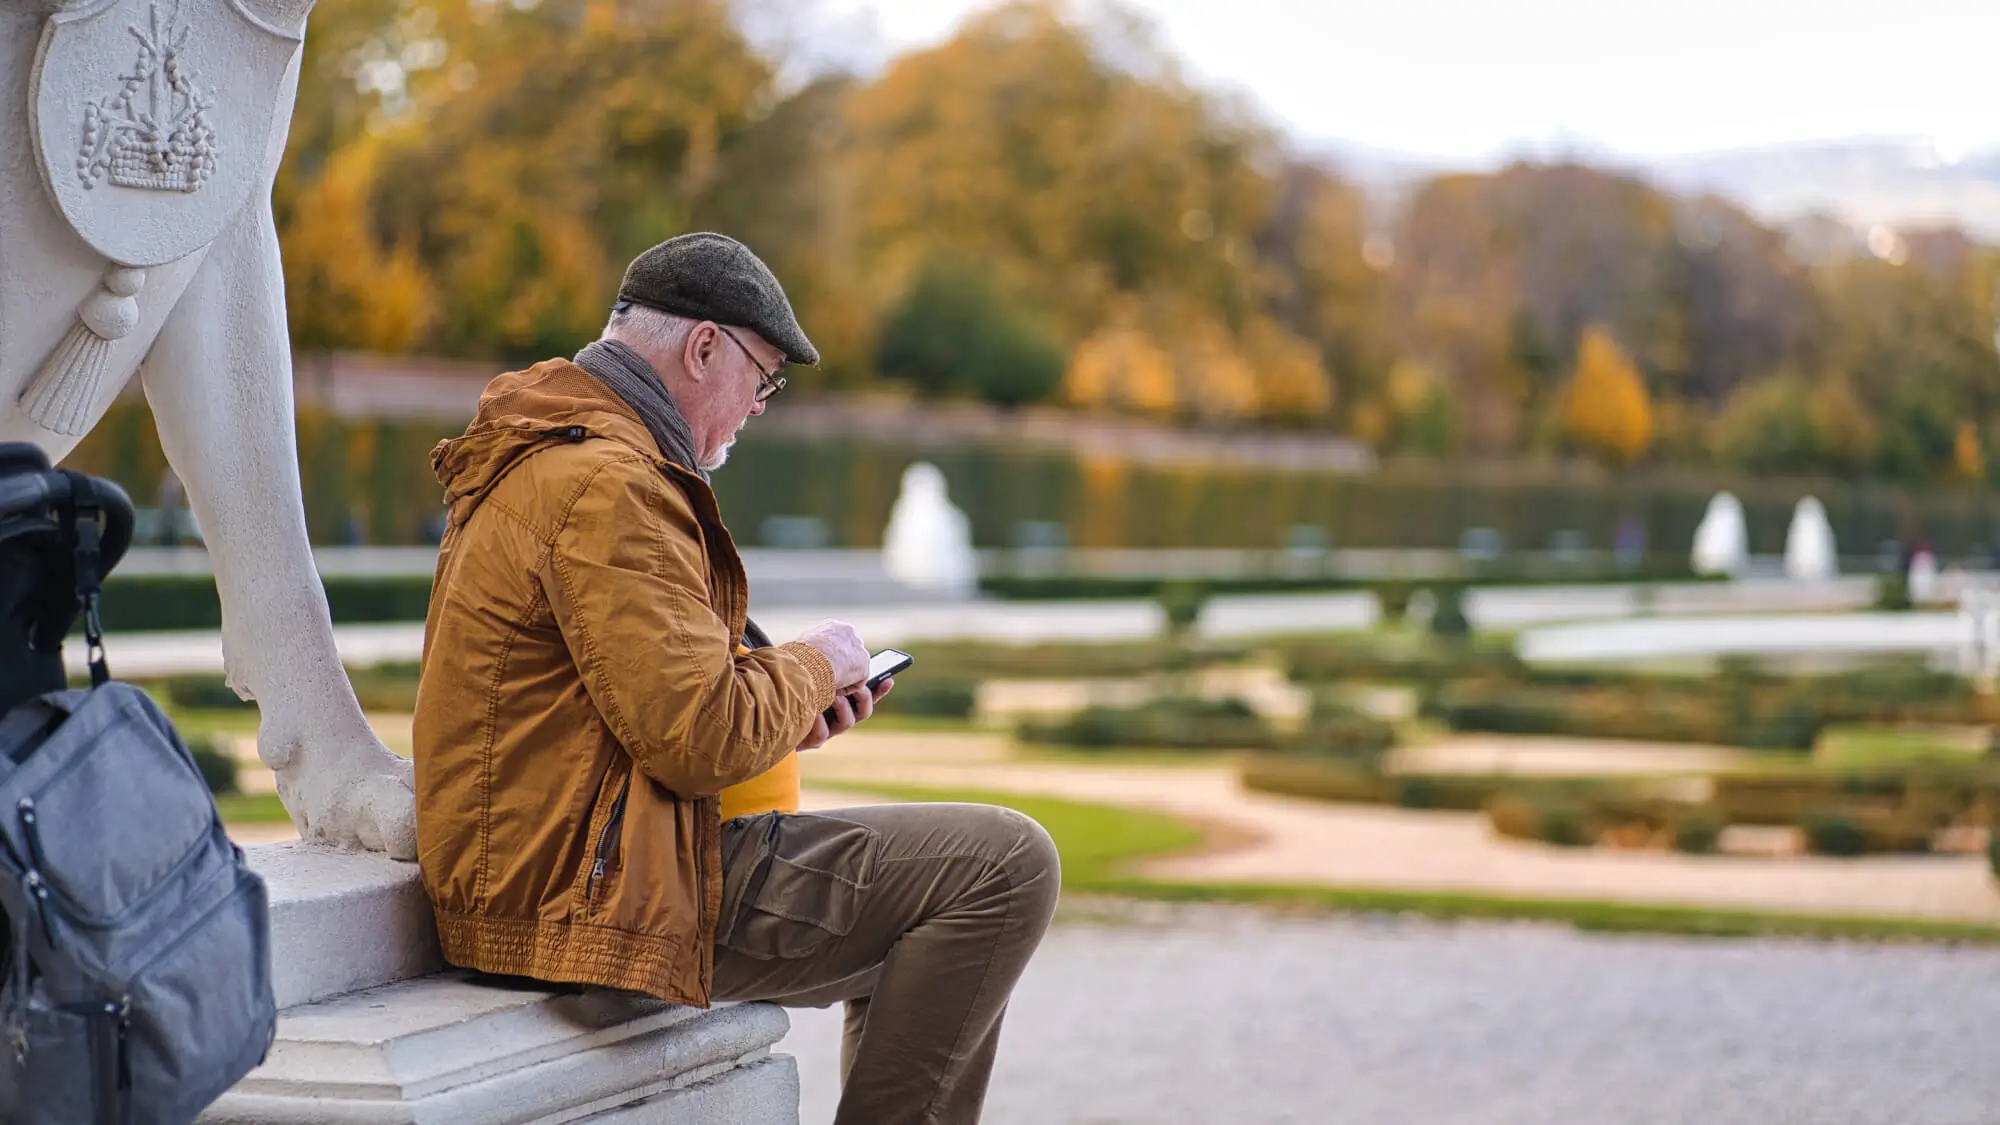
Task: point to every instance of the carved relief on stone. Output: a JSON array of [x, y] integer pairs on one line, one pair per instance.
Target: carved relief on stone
[[154, 132], [153, 119]]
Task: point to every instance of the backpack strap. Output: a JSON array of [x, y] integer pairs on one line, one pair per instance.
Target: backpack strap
[[83, 524]]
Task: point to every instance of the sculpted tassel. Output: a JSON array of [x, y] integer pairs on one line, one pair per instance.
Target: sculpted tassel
[[64, 392]]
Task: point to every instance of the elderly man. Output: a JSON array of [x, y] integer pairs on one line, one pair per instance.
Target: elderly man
[[605, 746]]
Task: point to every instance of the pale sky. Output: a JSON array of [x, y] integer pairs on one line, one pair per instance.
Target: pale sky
[[1469, 80]]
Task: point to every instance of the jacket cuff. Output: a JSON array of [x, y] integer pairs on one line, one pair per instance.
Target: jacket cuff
[[818, 667]]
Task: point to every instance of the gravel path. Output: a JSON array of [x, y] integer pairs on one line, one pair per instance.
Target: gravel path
[[1301, 841], [1205, 1015]]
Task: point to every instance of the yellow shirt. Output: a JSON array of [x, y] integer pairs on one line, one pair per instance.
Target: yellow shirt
[[774, 790]]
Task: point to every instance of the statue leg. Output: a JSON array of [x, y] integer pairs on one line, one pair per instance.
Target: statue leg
[[220, 383]]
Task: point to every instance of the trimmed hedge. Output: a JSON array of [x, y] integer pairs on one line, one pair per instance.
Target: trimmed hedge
[[218, 769], [1418, 661], [978, 660], [1774, 722], [1837, 815], [931, 698], [1698, 831], [1319, 781], [1352, 738], [1545, 817], [1173, 724], [1392, 594], [1865, 832], [157, 602], [1352, 782]]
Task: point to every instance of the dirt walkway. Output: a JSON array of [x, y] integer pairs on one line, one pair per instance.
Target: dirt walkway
[[1311, 842]]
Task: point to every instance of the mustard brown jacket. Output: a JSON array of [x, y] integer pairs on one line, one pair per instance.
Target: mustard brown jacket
[[583, 696]]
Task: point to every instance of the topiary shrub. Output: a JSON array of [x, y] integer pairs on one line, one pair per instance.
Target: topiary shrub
[[1565, 825], [1181, 604], [1698, 831], [217, 768], [1514, 817], [1448, 618], [1546, 817], [1892, 592], [1832, 834], [1392, 597]]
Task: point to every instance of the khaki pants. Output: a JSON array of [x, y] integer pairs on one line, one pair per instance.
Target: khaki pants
[[919, 917]]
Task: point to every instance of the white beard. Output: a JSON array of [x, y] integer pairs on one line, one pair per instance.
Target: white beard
[[719, 458]]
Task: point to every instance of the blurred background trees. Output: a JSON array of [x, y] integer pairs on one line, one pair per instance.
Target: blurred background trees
[[1045, 209]]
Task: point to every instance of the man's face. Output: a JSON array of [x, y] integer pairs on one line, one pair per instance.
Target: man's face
[[733, 364]]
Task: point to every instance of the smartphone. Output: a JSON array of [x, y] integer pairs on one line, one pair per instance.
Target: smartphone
[[886, 663], [881, 666]]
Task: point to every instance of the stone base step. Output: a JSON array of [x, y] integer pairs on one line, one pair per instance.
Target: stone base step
[[449, 1048]]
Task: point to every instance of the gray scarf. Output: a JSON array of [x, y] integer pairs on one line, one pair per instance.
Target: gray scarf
[[636, 384]]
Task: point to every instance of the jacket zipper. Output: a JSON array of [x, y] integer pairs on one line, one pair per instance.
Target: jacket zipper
[[607, 840]]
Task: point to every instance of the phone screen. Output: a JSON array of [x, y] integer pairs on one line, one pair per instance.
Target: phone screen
[[887, 662]]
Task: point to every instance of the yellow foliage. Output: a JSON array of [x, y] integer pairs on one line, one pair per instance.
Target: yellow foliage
[[1101, 501], [1371, 423], [1607, 408], [1966, 455], [1217, 382], [1410, 386], [1119, 367], [1844, 428], [342, 287], [1292, 380]]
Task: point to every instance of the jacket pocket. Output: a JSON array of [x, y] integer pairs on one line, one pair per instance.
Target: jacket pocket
[[804, 884]]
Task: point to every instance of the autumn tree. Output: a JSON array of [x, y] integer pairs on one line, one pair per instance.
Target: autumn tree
[[1119, 367], [953, 332], [1607, 408]]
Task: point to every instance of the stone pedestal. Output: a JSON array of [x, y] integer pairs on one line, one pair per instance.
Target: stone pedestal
[[375, 1029]]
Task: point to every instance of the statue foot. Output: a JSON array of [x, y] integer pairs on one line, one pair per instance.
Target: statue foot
[[348, 792]]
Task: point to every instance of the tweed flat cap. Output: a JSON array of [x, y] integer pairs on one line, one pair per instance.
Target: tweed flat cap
[[714, 277]]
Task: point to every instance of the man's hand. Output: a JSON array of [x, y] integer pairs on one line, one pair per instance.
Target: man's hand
[[849, 708], [841, 645]]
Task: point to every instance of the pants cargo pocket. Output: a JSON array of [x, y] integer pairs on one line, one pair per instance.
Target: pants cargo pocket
[[803, 886]]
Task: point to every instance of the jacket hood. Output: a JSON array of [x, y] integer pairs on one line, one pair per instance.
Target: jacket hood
[[522, 413]]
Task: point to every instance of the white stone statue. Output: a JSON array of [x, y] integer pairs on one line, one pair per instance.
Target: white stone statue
[[1809, 550], [138, 143], [1722, 540], [1979, 634], [928, 544], [1923, 587]]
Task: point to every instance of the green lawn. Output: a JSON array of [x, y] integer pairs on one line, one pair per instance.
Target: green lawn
[[1864, 747], [201, 722], [1095, 840], [251, 808], [1100, 843]]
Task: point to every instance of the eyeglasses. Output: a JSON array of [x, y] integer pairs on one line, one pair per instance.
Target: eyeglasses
[[768, 382]]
